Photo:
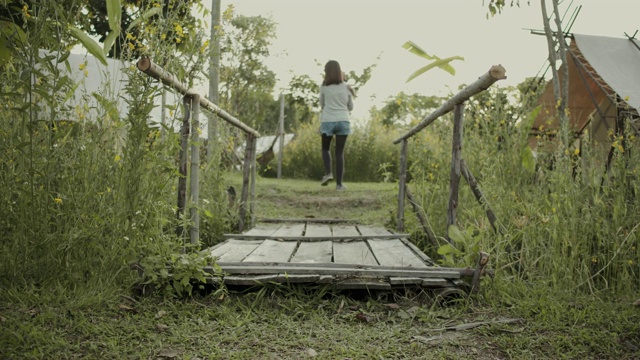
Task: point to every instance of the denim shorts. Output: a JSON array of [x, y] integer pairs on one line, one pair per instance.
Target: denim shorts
[[331, 128]]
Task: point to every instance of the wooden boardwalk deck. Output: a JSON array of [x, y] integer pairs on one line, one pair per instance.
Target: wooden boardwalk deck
[[345, 256]]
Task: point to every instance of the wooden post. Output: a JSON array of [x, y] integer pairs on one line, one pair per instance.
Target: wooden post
[[473, 184], [253, 181], [281, 136], [423, 220], [182, 167], [245, 181], [194, 192], [497, 72], [456, 154], [483, 260], [402, 179], [214, 74]]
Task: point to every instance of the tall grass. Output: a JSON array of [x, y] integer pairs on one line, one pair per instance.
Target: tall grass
[[84, 192]]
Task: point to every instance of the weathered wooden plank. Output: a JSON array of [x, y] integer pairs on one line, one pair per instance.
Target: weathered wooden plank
[[315, 230], [373, 231], [272, 278], [462, 271], [394, 253], [289, 230], [356, 252], [336, 271], [313, 252], [263, 230], [345, 230], [362, 284], [435, 282], [249, 280], [307, 220], [317, 238], [419, 252], [405, 280], [325, 279], [272, 250], [235, 250]]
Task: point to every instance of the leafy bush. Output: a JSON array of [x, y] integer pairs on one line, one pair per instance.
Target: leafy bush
[[370, 154]]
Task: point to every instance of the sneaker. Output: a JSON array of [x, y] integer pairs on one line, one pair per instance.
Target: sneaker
[[326, 179], [341, 187]]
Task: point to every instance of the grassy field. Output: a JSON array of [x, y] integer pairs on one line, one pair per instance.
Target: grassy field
[[508, 320]]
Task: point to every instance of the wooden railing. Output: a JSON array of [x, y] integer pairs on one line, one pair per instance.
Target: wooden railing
[[458, 167], [192, 103]]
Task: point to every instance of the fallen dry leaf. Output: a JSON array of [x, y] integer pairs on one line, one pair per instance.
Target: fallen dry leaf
[[312, 353], [162, 327], [33, 312], [364, 317], [169, 353], [636, 303], [392, 306], [126, 308], [160, 314]]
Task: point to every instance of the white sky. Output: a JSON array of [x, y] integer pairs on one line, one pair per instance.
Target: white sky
[[357, 32]]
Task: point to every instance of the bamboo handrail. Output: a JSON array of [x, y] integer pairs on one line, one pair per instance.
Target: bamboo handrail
[[157, 72], [497, 72]]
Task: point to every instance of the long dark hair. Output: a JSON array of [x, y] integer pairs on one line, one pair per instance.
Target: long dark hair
[[332, 73]]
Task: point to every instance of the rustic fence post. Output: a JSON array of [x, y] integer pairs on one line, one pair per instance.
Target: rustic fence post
[[402, 179], [253, 181], [456, 153], [281, 136], [246, 175], [194, 178], [182, 166]]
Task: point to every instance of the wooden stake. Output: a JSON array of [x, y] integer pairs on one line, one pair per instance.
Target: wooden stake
[[194, 178], [245, 181], [483, 260], [456, 154], [473, 184], [402, 178], [182, 167], [281, 136]]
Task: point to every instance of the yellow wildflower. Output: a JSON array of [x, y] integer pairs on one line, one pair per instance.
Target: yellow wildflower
[[82, 66], [117, 158], [25, 11], [576, 152], [86, 72], [131, 46], [57, 200], [626, 98], [163, 36]]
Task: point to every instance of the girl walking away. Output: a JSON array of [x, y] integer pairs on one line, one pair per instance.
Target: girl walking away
[[336, 102]]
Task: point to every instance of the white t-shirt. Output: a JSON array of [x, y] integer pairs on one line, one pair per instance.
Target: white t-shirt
[[336, 102]]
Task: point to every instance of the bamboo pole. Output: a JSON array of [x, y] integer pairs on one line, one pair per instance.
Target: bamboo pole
[[281, 136], [245, 182], [473, 184], [157, 72], [252, 211], [454, 180], [182, 166], [497, 72], [402, 179], [194, 193], [422, 218]]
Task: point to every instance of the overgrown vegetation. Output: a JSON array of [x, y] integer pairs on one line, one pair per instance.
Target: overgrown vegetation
[[85, 192]]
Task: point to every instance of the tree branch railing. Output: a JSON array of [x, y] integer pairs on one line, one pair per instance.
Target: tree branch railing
[[458, 168], [192, 102]]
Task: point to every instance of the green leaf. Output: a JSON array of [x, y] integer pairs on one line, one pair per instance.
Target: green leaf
[[455, 234], [110, 40], [417, 50], [528, 160], [89, 44], [445, 249], [147, 14], [10, 33], [114, 13], [442, 64]]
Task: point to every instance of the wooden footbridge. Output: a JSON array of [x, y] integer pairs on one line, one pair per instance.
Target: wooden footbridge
[[341, 254], [345, 256]]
